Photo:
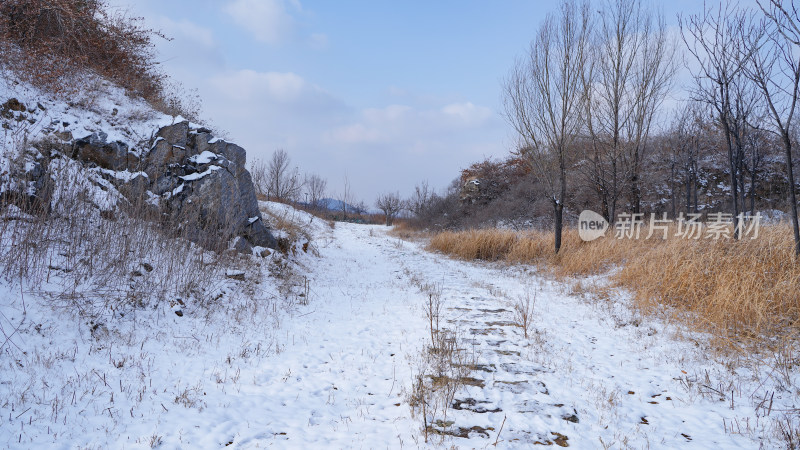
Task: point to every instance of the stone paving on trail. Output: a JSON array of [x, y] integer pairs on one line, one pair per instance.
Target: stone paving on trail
[[591, 373], [501, 382]]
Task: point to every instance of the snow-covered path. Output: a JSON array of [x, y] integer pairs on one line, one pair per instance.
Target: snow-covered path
[[338, 371], [587, 377]]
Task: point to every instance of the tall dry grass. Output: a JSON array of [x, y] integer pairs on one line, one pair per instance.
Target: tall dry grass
[[735, 289]]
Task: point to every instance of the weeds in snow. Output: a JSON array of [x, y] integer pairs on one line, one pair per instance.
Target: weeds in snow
[[443, 369], [524, 307]]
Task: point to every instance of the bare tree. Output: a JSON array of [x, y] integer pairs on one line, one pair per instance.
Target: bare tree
[[283, 182], [716, 41], [390, 204], [626, 78], [686, 143], [775, 69], [543, 99], [420, 199], [346, 197], [315, 188], [258, 171], [359, 207]]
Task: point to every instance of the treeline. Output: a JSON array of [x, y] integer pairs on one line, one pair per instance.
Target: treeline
[[278, 180], [588, 100]]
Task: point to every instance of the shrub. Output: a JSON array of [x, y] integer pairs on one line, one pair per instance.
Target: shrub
[[53, 44]]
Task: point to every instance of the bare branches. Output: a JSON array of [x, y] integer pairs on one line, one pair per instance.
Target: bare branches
[[627, 76], [775, 69], [543, 97], [283, 182], [390, 204], [47, 42], [723, 41], [316, 187]]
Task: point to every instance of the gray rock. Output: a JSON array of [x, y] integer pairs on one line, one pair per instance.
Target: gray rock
[[32, 188], [176, 134], [108, 155], [210, 202], [241, 245]]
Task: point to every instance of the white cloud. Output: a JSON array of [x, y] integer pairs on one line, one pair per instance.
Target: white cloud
[[279, 104], [355, 134], [282, 87], [267, 20], [395, 123], [467, 113]]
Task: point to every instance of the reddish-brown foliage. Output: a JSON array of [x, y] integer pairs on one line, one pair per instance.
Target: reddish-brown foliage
[[49, 42]]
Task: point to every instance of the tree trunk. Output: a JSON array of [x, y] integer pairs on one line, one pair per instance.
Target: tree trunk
[[694, 184], [787, 144], [689, 191], [559, 204], [732, 163], [558, 211], [753, 187]]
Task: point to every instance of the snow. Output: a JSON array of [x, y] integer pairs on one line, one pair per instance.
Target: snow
[[333, 368], [124, 175], [203, 158], [198, 175], [176, 191], [156, 141], [84, 114]]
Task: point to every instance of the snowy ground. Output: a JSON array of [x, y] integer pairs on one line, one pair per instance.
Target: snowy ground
[[333, 366]]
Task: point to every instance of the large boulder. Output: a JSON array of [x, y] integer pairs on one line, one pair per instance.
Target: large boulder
[[198, 181]]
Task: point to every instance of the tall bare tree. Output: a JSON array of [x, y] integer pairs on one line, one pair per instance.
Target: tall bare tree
[[543, 98], [716, 41], [626, 79], [775, 68]]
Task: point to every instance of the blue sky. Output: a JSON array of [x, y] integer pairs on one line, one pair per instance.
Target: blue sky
[[386, 93]]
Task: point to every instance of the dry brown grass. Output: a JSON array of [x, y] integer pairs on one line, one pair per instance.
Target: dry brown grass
[[738, 290]]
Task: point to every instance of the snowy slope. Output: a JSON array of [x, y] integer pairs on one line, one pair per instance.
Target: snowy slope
[[322, 353], [104, 108]]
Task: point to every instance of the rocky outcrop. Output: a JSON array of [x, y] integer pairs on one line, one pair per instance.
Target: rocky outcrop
[[196, 180], [183, 176], [25, 183]]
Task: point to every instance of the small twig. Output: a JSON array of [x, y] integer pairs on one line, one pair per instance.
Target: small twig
[[23, 412], [182, 337], [497, 439], [712, 389], [310, 312], [103, 378]]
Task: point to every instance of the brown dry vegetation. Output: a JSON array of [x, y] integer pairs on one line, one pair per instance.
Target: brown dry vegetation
[[737, 290], [54, 44]]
